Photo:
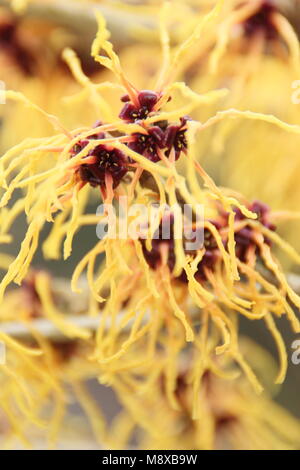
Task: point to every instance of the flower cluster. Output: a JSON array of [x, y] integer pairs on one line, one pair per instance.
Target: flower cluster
[[257, 37], [234, 415], [102, 162], [246, 240]]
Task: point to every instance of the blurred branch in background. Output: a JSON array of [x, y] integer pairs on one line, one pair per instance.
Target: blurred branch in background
[[80, 20]]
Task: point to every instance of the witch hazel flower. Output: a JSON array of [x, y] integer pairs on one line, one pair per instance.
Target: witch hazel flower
[[257, 25], [261, 21], [144, 103], [216, 397], [60, 175]]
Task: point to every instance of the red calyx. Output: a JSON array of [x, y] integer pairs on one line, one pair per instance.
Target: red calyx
[[147, 100]]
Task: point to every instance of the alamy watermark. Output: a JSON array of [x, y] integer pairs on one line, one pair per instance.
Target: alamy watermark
[[2, 92], [2, 353], [155, 221], [296, 353], [295, 97]]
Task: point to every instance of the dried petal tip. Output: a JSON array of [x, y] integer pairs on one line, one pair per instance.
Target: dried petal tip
[[125, 98], [97, 123]]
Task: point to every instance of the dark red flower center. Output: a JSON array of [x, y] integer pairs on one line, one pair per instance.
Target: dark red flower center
[[106, 160], [244, 238], [161, 136], [133, 112], [175, 138], [261, 22], [154, 260], [148, 144]]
